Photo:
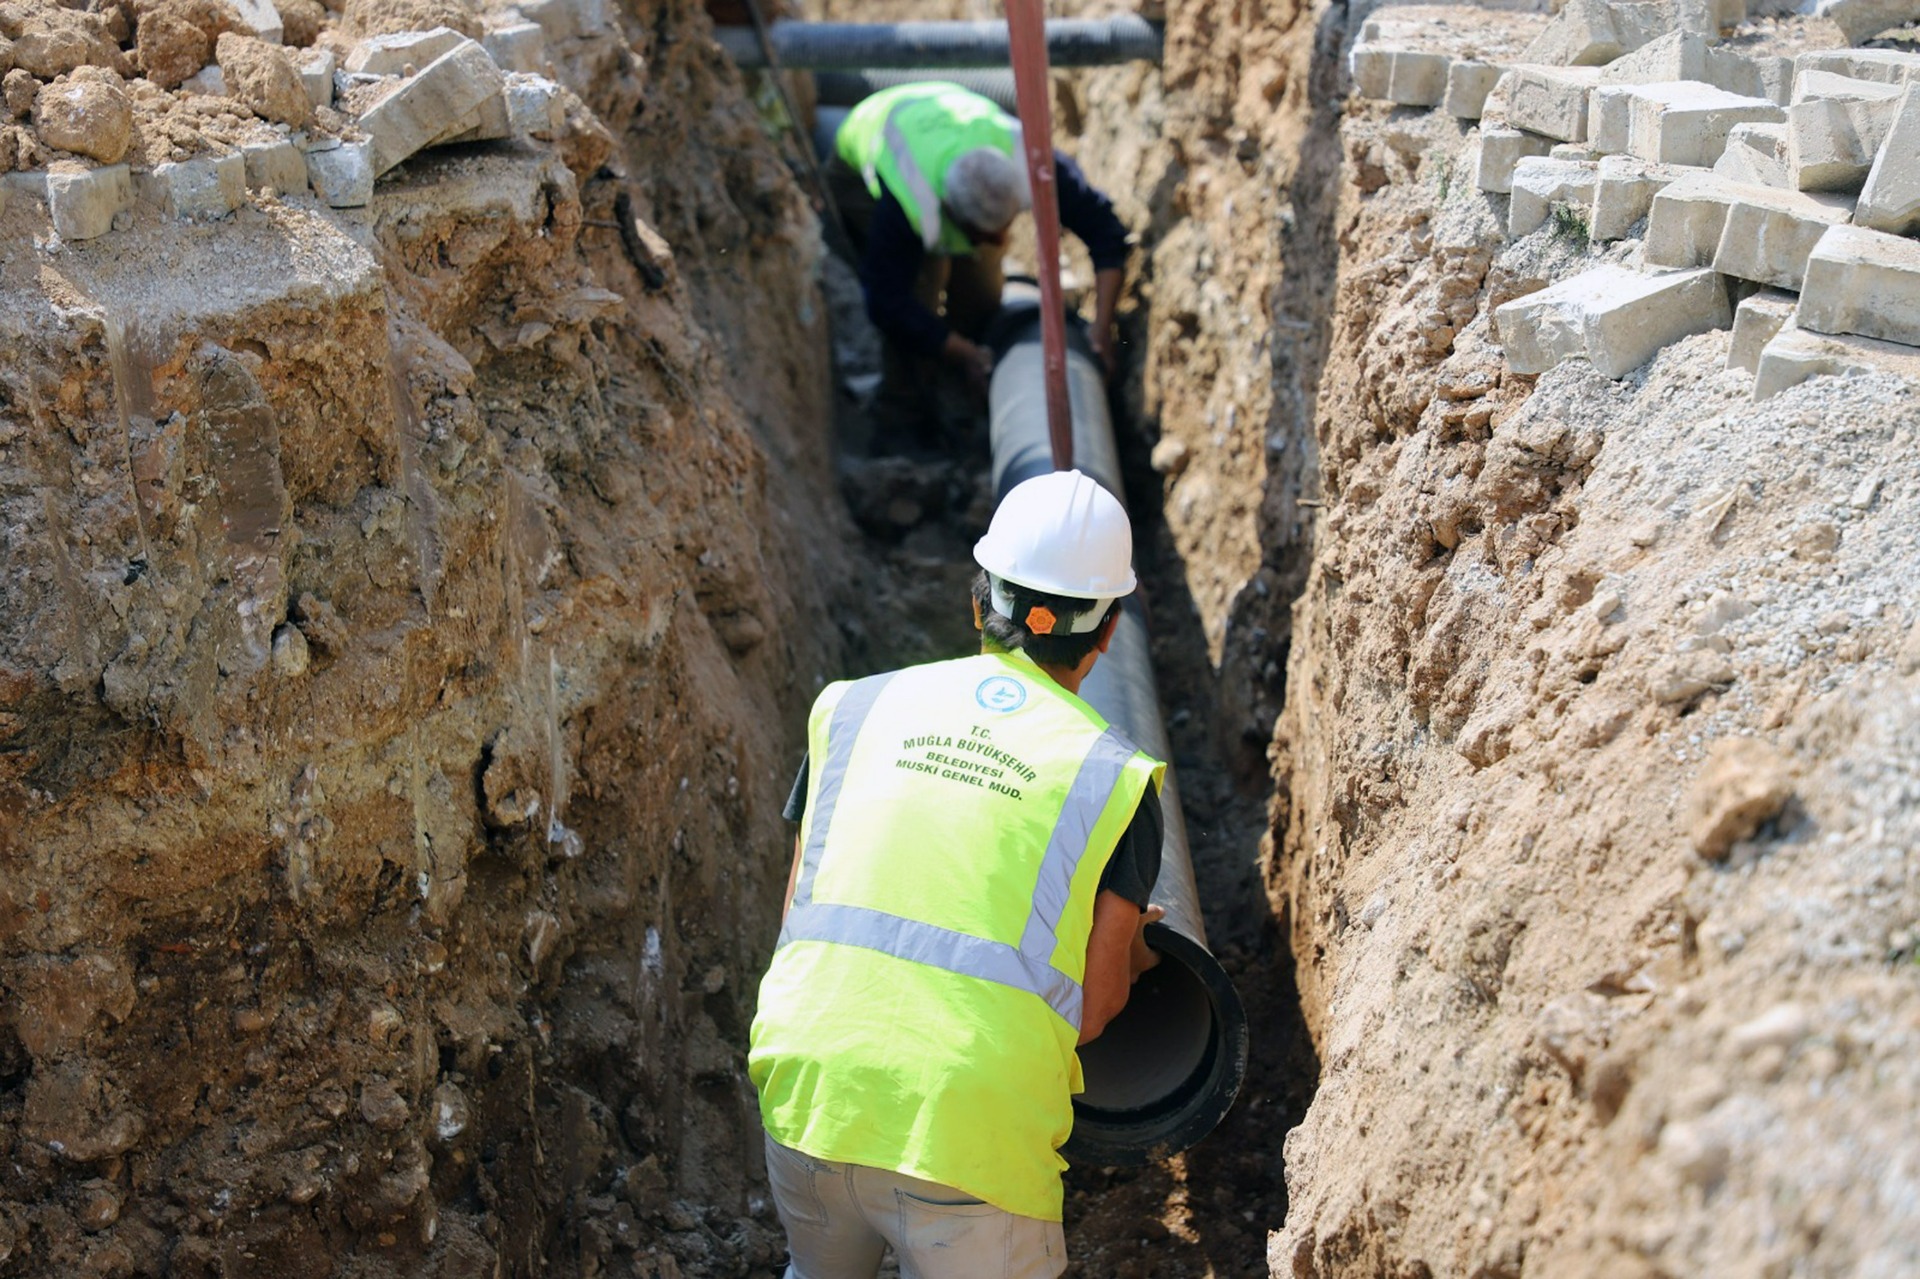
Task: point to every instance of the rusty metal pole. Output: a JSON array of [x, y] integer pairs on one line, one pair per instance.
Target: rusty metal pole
[[1027, 42]]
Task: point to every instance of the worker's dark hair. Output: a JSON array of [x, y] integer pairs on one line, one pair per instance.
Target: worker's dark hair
[[1058, 649]]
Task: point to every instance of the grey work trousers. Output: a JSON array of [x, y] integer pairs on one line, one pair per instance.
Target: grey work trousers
[[841, 1217]]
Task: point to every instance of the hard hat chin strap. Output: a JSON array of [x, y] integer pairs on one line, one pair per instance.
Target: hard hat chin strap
[[1080, 624]]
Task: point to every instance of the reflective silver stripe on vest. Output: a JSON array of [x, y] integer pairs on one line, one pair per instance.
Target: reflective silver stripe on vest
[[917, 185], [1099, 773], [936, 947], [842, 731], [1029, 966]]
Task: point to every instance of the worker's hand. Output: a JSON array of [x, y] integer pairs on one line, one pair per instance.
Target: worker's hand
[[972, 359], [1142, 956], [1103, 342]]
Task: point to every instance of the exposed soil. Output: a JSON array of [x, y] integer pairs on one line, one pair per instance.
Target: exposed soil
[[408, 617]]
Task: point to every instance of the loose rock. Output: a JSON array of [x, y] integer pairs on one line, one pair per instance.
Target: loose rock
[[382, 1106], [53, 42], [302, 21], [20, 90], [1744, 784], [89, 117], [263, 77], [175, 38]]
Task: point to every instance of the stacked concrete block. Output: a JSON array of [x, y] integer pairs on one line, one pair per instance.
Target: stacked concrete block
[[1756, 154], [1549, 101], [1678, 122], [427, 106], [1865, 283], [1687, 217], [1756, 233], [393, 54], [341, 173], [1890, 200], [1678, 55], [315, 67], [1861, 20], [1624, 188], [485, 123], [1768, 241], [1500, 151], [1613, 317], [1887, 66], [1468, 84], [1760, 76], [534, 108], [560, 19], [1794, 355], [1755, 322], [1834, 127], [261, 18], [1541, 183], [83, 202], [30, 184], [275, 166], [209, 82], [1687, 55], [1406, 77], [1592, 33], [1610, 118], [519, 46], [207, 187]]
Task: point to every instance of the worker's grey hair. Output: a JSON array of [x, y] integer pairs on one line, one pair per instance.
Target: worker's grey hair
[[986, 189]]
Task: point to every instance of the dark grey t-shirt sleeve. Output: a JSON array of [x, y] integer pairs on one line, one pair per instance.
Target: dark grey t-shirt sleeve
[[1132, 870], [797, 802], [1134, 867]]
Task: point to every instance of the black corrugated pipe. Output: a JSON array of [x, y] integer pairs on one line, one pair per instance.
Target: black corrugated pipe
[[850, 88], [944, 46], [1168, 1068]]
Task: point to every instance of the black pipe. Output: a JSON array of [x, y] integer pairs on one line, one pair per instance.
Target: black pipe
[[1168, 1067], [945, 46]]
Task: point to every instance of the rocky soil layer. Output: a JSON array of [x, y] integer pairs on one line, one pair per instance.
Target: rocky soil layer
[[1598, 783], [409, 616]]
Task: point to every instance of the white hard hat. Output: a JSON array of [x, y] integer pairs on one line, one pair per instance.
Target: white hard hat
[[1063, 534]]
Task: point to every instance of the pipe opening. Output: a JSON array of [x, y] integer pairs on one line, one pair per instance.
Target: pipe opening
[[1168, 1067]]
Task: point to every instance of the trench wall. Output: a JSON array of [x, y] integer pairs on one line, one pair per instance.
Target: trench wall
[[1597, 799], [407, 624]]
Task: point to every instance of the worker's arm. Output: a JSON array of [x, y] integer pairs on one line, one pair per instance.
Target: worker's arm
[[1086, 211], [793, 880], [888, 271], [1106, 300], [1117, 953]]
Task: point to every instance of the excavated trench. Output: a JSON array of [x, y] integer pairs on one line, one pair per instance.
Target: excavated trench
[[411, 595]]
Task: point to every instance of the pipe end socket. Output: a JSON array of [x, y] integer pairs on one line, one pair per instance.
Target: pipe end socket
[[1168, 1068]]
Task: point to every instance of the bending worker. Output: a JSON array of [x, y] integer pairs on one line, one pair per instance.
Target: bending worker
[[967, 905], [928, 178]]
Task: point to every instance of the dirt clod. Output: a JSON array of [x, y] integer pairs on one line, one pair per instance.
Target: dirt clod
[[88, 116], [262, 77], [49, 41], [1743, 784], [388, 17], [174, 39], [21, 90]]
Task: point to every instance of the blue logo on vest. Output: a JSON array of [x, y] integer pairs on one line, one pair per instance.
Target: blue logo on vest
[[999, 693]]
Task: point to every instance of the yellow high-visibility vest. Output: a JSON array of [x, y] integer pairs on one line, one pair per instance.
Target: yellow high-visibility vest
[[904, 139], [922, 1009]]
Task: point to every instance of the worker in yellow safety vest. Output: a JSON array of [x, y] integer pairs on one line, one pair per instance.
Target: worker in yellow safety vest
[[967, 905], [928, 179]]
